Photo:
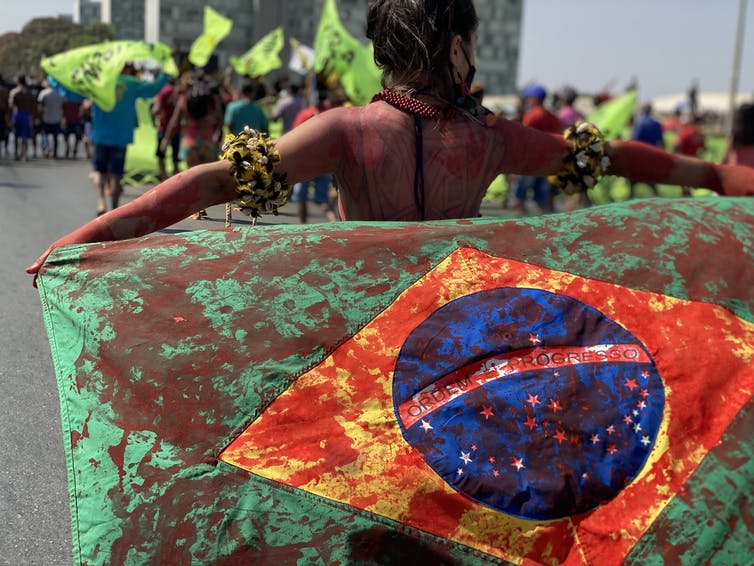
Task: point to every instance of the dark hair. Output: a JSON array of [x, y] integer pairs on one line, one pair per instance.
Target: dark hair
[[199, 99], [249, 89], [261, 90], [569, 95], [412, 38], [743, 125]]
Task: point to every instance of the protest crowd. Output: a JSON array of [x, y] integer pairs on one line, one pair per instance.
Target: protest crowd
[[191, 114]]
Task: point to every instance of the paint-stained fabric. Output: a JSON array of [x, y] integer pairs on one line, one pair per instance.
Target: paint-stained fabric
[[572, 389]]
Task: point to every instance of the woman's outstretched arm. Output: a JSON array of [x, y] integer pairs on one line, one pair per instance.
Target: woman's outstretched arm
[[310, 150], [169, 202], [530, 152], [644, 163]]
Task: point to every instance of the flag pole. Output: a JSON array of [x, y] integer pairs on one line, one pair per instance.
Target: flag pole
[[737, 51]]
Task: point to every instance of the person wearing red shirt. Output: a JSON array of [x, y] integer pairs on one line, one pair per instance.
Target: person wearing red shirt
[[674, 123], [690, 141], [540, 118], [162, 110], [321, 183]]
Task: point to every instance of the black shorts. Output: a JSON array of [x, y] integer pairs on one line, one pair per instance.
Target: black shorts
[[175, 145], [109, 159]]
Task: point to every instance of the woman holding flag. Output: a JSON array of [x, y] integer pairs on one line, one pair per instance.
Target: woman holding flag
[[422, 150]]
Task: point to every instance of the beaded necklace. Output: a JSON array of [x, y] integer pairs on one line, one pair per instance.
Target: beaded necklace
[[408, 104]]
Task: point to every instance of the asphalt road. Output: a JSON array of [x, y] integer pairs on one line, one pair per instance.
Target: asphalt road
[[41, 200]]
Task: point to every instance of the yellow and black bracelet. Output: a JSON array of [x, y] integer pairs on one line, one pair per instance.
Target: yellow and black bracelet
[[585, 163], [253, 157]]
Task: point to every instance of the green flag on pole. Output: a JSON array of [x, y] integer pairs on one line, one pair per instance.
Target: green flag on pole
[[263, 57], [216, 28], [337, 51], [613, 116], [302, 57], [93, 70], [363, 79]]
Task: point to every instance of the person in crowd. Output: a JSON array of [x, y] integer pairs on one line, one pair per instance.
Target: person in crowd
[[85, 114], [288, 105], [690, 141], [538, 117], [23, 105], [647, 130], [51, 115], [246, 111], [693, 98], [567, 113], [198, 115], [113, 132], [321, 183], [73, 128], [163, 108], [740, 150], [674, 122], [419, 151], [5, 118]]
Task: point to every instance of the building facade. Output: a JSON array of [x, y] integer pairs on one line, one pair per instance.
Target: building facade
[[87, 12], [126, 17], [499, 44], [499, 32], [178, 22]]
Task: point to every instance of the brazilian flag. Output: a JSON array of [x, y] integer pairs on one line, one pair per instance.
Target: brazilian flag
[[569, 389]]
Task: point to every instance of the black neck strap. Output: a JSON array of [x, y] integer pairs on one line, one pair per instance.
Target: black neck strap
[[419, 194]]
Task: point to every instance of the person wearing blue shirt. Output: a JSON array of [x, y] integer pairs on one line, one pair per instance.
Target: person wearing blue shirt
[[113, 131], [246, 112], [647, 130]]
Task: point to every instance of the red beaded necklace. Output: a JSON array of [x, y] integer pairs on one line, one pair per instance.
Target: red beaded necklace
[[410, 104]]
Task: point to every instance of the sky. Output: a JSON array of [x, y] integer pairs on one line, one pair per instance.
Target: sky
[[590, 44]]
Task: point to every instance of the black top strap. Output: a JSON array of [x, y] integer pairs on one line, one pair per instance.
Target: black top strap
[[419, 195]]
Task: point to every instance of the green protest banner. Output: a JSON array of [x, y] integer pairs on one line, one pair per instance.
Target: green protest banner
[[337, 51], [613, 116], [263, 57], [216, 28], [92, 71], [363, 79], [334, 48]]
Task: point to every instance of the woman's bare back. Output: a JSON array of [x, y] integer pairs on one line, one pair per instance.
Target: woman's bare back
[[372, 151]]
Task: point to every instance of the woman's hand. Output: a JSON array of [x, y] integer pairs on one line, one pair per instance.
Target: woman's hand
[[33, 269], [169, 202]]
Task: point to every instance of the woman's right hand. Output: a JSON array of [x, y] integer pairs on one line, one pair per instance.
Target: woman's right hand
[[169, 202], [33, 269]]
